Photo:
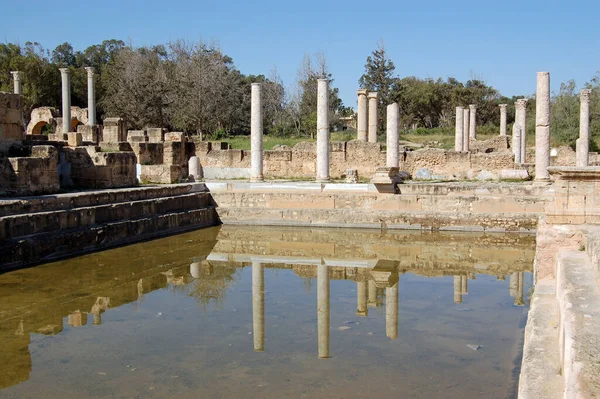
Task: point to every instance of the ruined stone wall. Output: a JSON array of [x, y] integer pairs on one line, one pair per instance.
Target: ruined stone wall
[[91, 168], [11, 128], [35, 174]]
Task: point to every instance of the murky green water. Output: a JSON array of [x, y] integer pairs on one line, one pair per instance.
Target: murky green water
[[272, 312]]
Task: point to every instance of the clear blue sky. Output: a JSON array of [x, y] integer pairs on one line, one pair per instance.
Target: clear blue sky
[[505, 42]]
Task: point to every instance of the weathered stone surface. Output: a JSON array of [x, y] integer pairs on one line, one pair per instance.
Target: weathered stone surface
[[74, 139], [114, 130], [155, 134], [36, 174]]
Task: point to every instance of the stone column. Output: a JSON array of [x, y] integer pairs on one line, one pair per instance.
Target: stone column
[[66, 99], [513, 284], [466, 121], [459, 129], [457, 289], [372, 301], [323, 310], [516, 139], [473, 121], [391, 311], [464, 285], [503, 119], [17, 85], [583, 143], [373, 117], [91, 96], [542, 127], [361, 117], [392, 136], [323, 130], [522, 121], [195, 169], [520, 285], [256, 134], [361, 298], [258, 306]]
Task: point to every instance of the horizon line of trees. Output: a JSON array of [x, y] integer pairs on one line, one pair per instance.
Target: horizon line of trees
[[197, 88]]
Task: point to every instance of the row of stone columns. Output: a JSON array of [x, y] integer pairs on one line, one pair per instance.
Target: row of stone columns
[[366, 118], [465, 128]]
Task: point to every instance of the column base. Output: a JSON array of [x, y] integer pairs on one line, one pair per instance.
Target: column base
[[542, 182], [257, 180], [326, 180]]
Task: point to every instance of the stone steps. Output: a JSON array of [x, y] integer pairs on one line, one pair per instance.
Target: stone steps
[[47, 246], [368, 218], [26, 224], [46, 203]]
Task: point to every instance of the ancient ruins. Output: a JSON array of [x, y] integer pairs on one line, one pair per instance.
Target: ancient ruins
[[47, 210]]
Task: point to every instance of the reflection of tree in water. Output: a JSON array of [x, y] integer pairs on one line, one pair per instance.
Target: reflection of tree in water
[[210, 283]]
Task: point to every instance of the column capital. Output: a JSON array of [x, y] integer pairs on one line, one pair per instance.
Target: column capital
[[90, 71], [521, 103], [372, 95], [362, 92], [256, 84], [459, 108], [502, 106], [65, 71], [16, 75], [472, 107], [584, 95]]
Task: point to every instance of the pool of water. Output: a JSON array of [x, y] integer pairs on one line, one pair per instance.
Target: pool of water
[[272, 312]]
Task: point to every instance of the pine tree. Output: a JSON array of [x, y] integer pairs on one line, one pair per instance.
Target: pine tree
[[379, 77]]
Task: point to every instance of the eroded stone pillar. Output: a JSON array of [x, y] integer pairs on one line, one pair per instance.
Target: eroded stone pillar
[[473, 121], [516, 139], [195, 169], [17, 84], [372, 301], [361, 298], [522, 121], [256, 133], [459, 129], [65, 75], [391, 311], [323, 130], [466, 121], [503, 119], [323, 310], [542, 127], [392, 153], [457, 289], [362, 116], [91, 96], [583, 143], [258, 306], [372, 117]]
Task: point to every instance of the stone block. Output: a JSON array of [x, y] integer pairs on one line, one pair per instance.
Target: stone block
[[11, 131], [114, 130], [11, 115], [285, 156], [337, 146], [514, 174], [90, 133], [175, 136], [155, 134], [202, 147], [174, 153], [74, 139], [219, 145]]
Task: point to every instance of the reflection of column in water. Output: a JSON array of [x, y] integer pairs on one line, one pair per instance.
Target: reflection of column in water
[[372, 302], [258, 305], [519, 297], [361, 298], [457, 289], [464, 285], [514, 282], [391, 311], [323, 310]]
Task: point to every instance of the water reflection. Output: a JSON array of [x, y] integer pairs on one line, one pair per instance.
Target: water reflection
[[204, 265]]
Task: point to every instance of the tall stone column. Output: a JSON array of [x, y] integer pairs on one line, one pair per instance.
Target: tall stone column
[[392, 136], [464, 285], [361, 298], [323, 130], [258, 306], [362, 116], [256, 133], [583, 143], [457, 289], [502, 119], [466, 121], [91, 96], [513, 284], [516, 139], [519, 301], [372, 117], [542, 127], [391, 311], [65, 75], [323, 310], [459, 129], [522, 103], [473, 121], [17, 84], [372, 301]]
